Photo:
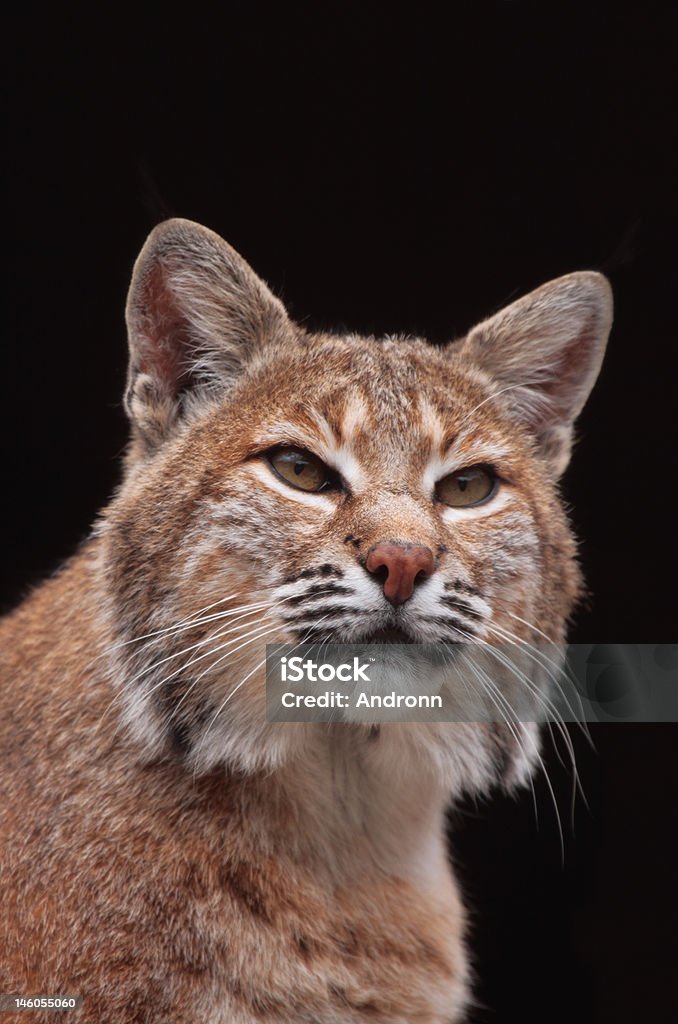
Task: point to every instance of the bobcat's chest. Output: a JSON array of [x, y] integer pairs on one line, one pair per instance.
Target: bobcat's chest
[[379, 952]]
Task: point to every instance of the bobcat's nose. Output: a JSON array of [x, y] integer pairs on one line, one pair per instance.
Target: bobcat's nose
[[401, 565]]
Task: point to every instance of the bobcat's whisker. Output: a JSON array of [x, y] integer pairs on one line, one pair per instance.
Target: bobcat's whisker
[[538, 757], [171, 631], [543, 698], [558, 718], [205, 654], [226, 614], [252, 610], [124, 693], [265, 632], [559, 666], [201, 611], [539, 658], [223, 621], [182, 624], [550, 708], [483, 679], [162, 634], [198, 620], [545, 702], [230, 695], [142, 698], [562, 669]]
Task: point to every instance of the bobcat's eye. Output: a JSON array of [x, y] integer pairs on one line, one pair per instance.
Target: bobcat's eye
[[466, 487], [300, 469]]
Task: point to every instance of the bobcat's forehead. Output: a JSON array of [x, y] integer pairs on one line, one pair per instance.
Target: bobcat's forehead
[[393, 410]]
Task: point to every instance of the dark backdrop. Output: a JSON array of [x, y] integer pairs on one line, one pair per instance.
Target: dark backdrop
[[387, 172]]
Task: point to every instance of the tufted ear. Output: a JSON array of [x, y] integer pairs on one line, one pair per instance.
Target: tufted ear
[[544, 352], [196, 313]]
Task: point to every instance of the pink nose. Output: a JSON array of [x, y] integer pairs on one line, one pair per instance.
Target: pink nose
[[403, 563]]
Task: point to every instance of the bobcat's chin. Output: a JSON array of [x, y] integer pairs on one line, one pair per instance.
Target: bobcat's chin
[[388, 635]]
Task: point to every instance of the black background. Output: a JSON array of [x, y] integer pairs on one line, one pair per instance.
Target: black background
[[388, 172]]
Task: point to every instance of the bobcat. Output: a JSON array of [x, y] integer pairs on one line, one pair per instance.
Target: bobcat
[[166, 852]]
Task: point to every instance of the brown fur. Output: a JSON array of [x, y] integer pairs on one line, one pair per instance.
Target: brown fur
[[167, 853]]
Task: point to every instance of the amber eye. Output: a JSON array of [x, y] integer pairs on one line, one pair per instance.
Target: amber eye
[[466, 487], [300, 469]]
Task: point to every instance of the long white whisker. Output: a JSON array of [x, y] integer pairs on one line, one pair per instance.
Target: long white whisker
[[236, 688], [533, 689], [198, 620], [552, 710], [257, 630], [548, 707], [218, 633], [561, 668], [543, 699], [483, 680], [207, 654], [118, 697], [228, 615], [545, 773], [183, 624]]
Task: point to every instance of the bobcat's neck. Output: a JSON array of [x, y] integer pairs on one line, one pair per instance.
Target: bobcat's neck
[[350, 809]]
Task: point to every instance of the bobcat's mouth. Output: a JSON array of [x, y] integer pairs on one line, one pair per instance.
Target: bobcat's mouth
[[388, 635]]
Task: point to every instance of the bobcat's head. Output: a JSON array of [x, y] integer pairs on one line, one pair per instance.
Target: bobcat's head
[[283, 485]]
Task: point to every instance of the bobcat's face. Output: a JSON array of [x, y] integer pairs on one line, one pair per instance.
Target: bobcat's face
[[390, 420], [285, 486]]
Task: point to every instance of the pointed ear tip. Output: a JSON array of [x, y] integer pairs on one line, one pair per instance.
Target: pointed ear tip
[[594, 281], [592, 286], [175, 235], [176, 229]]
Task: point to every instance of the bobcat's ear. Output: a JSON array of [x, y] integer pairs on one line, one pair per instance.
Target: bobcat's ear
[[196, 313], [544, 352]]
